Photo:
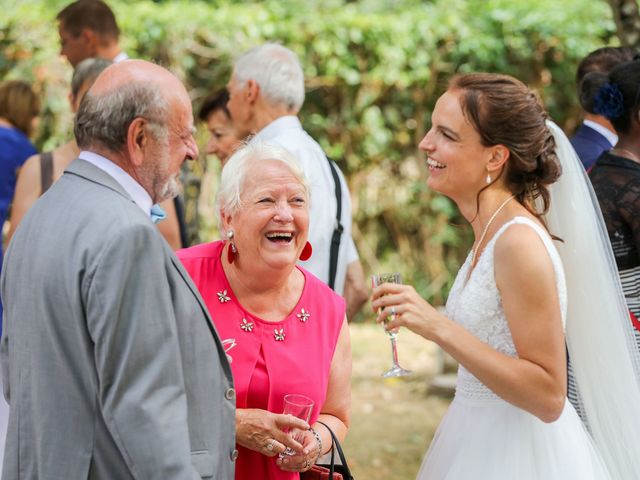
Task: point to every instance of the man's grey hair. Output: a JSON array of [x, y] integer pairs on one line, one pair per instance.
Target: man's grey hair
[[87, 71], [243, 164], [104, 120], [278, 72]]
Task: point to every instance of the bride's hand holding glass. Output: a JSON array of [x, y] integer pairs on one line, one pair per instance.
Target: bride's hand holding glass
[[407, 309]]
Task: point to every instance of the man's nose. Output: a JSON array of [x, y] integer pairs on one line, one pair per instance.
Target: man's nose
[[192, 148]]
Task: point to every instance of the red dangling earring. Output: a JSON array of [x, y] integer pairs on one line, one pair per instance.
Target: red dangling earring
[[306, 252], [232, 250]]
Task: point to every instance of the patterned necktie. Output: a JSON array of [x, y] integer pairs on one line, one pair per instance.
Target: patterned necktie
[[157, 214]]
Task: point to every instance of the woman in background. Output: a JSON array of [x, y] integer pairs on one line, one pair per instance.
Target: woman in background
[[616, 178], [223, 139], [19, 109]]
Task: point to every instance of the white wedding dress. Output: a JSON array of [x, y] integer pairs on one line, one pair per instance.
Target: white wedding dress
[[484, 437]]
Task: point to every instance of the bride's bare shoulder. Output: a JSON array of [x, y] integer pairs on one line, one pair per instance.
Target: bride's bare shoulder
[[520, 253]]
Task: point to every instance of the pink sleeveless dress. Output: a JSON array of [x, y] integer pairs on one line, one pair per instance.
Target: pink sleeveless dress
[[270, 359]]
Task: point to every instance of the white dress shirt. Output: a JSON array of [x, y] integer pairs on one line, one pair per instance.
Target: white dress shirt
[[605, 132], [119, 57]]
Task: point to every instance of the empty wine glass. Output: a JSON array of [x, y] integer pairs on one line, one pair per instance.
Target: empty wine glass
[[396, 370], [299, 406]]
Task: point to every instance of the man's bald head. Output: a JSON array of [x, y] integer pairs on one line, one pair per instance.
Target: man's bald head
[[139, 116], [123, 92], [138, 72]]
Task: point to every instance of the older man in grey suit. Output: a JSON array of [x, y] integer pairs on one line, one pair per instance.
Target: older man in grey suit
[[114, 368]]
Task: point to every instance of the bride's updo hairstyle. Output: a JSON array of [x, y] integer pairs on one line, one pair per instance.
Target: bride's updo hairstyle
[[505, 112]]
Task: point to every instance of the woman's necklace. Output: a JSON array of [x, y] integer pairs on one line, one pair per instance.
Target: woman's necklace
[[474, 252]]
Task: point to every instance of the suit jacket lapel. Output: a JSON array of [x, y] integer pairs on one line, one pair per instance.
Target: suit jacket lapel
[[185, 276]]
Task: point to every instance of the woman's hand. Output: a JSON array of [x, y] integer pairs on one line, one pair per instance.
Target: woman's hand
[[264, 431], [301, 462], [407, 309]]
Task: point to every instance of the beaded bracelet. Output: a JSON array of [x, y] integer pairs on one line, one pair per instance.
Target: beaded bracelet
[[319, 440]]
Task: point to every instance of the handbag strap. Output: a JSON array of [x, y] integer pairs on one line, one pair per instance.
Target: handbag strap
[[335, 445]]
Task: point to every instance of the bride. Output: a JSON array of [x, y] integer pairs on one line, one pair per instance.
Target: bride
[[516, 297]]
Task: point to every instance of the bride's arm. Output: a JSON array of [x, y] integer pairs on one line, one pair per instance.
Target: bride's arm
[[536, 380], [527, 283]]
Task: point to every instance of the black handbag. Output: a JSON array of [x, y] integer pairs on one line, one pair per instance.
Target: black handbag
[[330, 471]]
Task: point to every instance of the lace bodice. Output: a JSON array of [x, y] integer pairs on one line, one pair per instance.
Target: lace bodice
[[476, 305]]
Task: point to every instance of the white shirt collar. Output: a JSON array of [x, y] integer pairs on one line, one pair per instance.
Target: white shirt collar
[[605, 132], [138, 194], [119, 57], [277, 126]]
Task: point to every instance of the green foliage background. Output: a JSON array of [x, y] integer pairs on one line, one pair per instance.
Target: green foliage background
[[374, 69]]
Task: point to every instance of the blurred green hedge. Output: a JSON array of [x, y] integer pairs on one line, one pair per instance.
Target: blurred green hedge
[[374, 70]]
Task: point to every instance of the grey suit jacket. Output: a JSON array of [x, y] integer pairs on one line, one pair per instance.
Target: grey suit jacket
[[115, 370]]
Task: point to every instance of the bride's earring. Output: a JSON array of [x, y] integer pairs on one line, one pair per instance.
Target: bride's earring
[[488, 180]]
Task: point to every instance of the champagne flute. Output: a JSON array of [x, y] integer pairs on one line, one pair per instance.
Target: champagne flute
[[396, 370], [299, 406]]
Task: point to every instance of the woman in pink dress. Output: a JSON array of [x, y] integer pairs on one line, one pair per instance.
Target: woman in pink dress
[[287, 331]]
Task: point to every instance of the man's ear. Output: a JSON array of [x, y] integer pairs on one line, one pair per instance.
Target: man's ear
[[137, 141], [499, 156], [90, 38], [252, 91]]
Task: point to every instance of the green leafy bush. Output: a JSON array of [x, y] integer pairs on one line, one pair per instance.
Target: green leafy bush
[[374, 70]]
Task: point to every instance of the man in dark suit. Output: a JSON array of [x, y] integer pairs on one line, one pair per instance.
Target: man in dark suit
[[596, 134], [112, 367]]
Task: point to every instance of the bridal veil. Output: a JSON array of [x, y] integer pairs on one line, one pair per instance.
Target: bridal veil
[[603, 353]]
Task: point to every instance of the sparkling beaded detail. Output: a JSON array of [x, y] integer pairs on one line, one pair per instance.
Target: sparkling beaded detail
[[303, 316], [223, 297], [246, 326], [279, 335], [476, 305]]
